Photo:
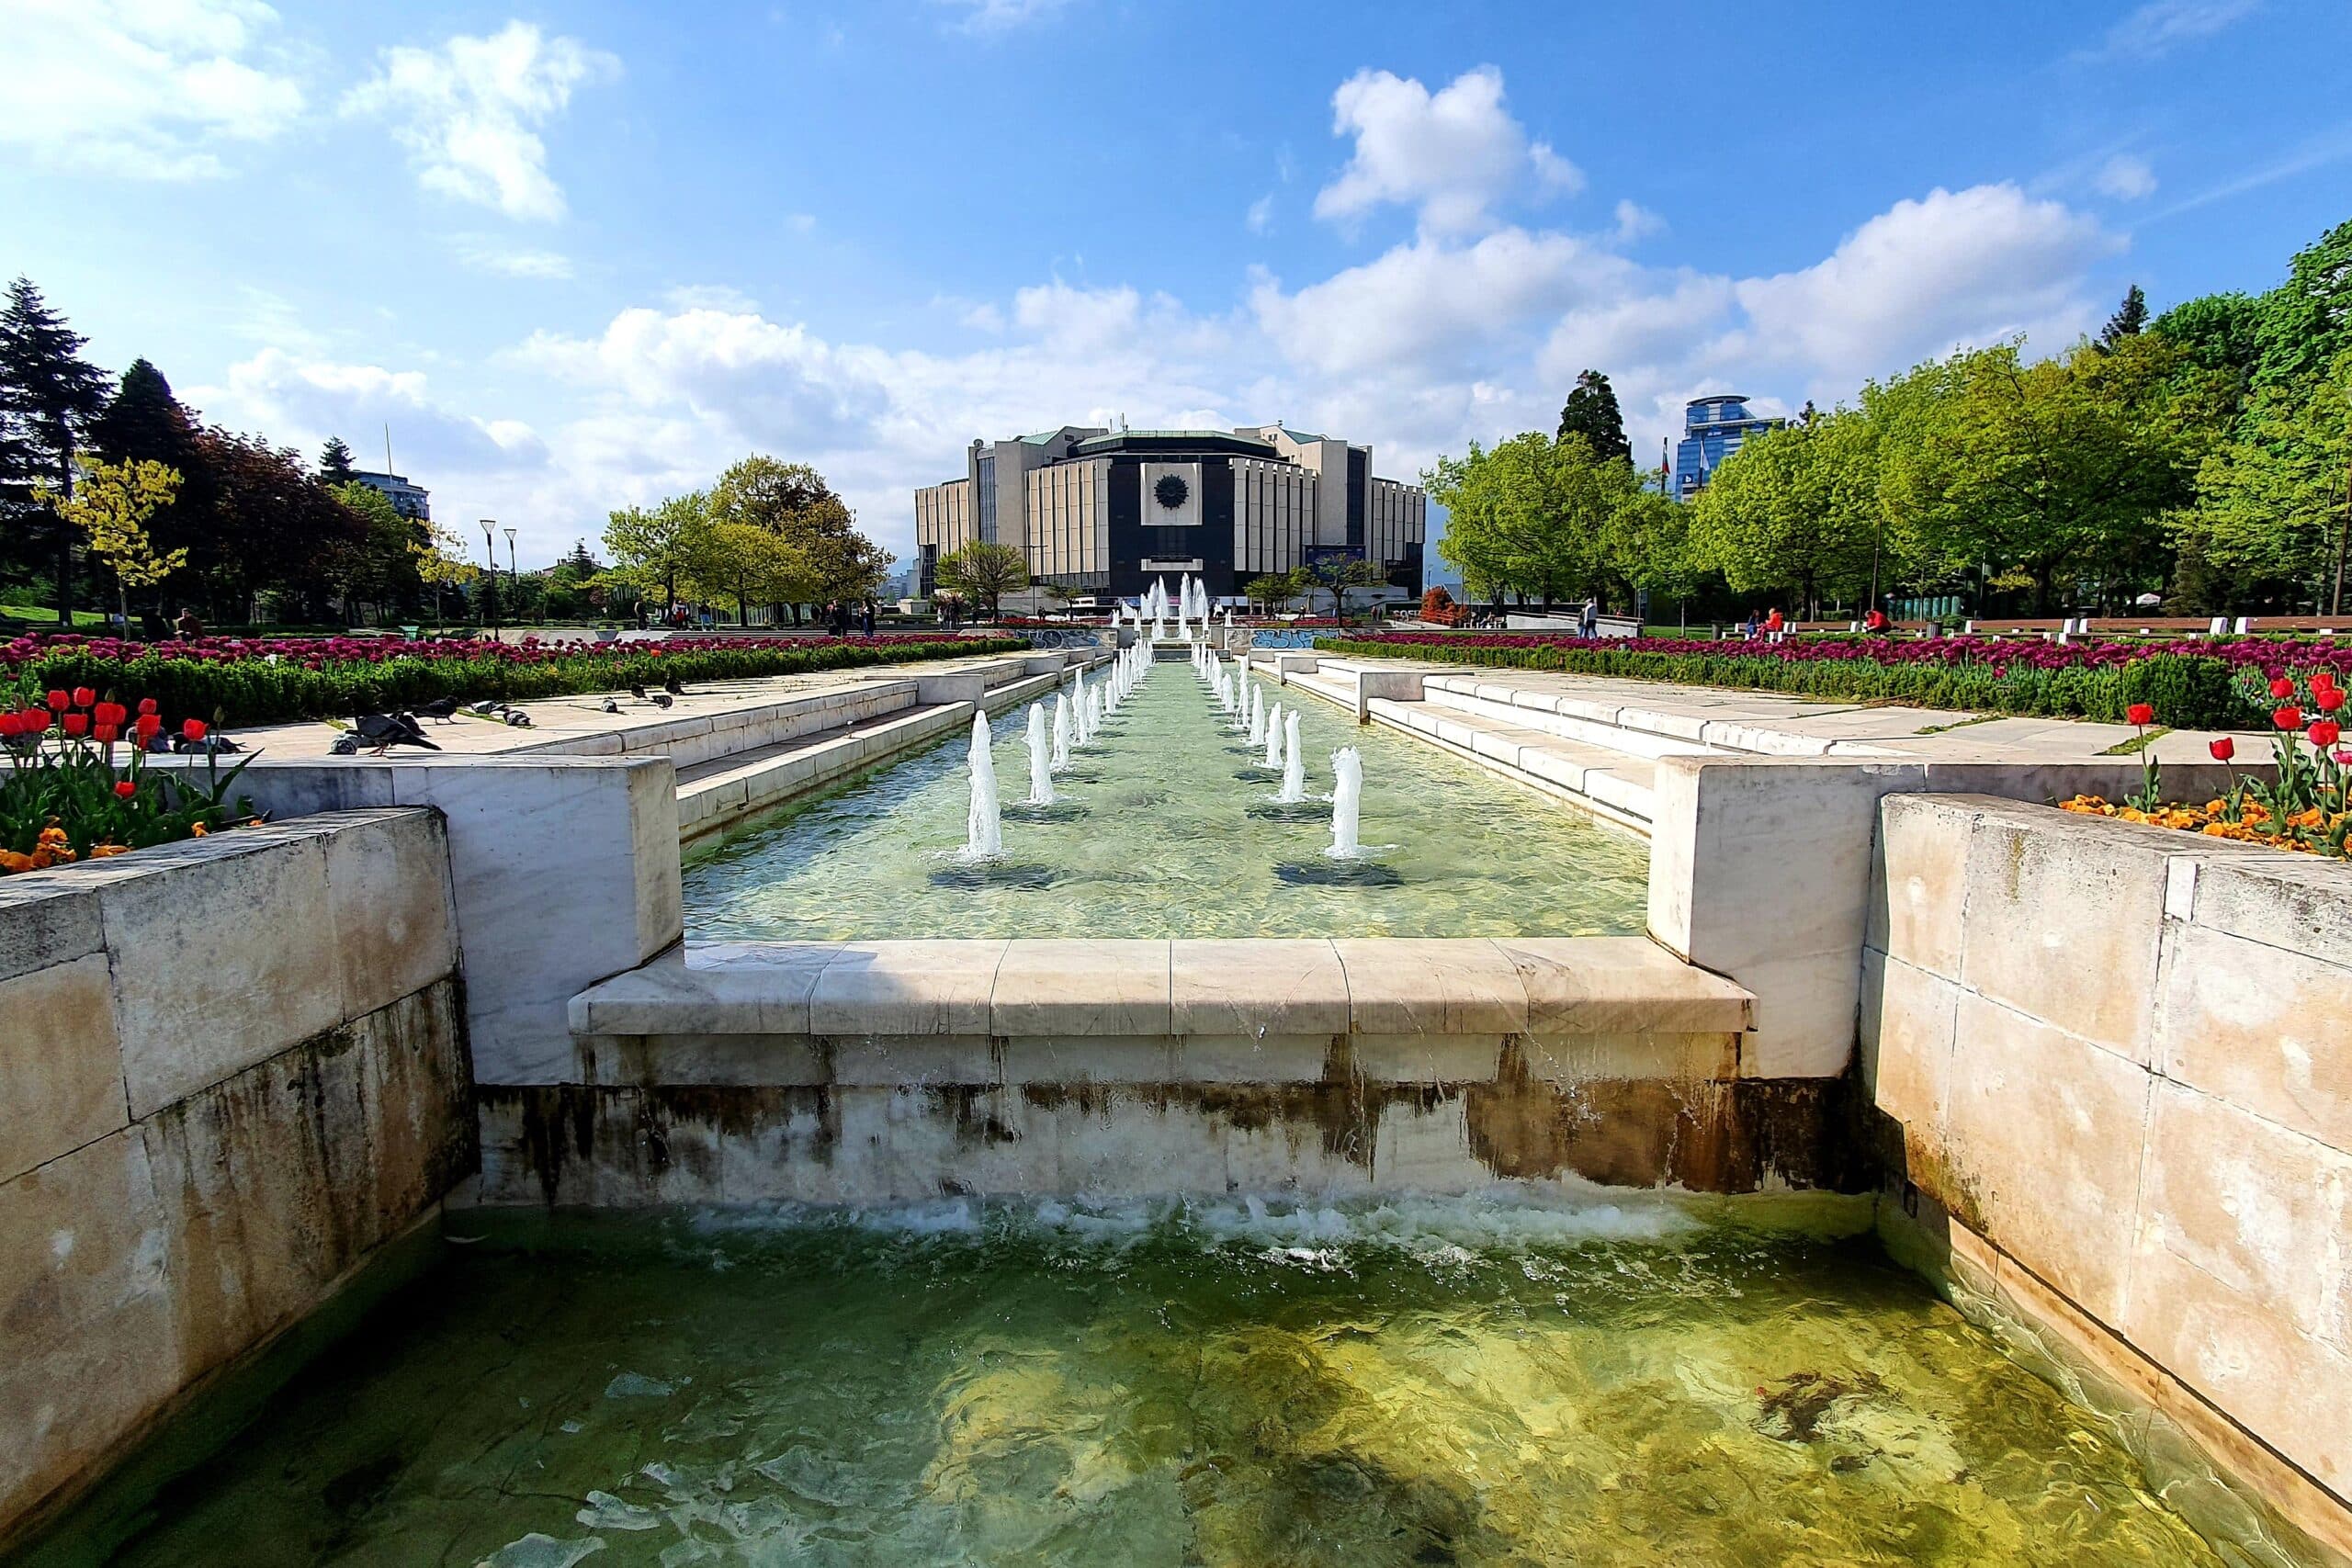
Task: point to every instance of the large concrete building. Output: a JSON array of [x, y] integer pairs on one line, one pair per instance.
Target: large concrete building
[[1102, 511]]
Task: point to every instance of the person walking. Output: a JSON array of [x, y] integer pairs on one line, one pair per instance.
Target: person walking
[[1589, 618], [866, 617]]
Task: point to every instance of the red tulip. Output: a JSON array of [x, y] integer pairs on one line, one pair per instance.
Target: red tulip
[[36, 720], [58, 702], [2324, 733], [125, 788], [105, 732], [2287, 718], [193, 729], [2140, 713], [110, 714], [2223, 749], [76, 723], [147, 707], [2282, 687], [2327, 699], [147, 726]]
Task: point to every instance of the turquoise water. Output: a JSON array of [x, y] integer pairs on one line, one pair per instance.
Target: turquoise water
[[1473, 1381], [1168, 827]]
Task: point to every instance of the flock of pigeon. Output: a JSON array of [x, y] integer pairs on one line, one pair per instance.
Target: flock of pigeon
[[378, 733]]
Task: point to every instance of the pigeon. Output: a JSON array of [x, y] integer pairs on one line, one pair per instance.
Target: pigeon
[[670, 684], [637, 690], [660, 699], [210, 746], [611, 706], [442, 708], [345, 745], [484, 708], [516, 718], [384, 731]]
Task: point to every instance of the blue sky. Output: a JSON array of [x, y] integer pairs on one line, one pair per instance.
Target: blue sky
[[584, 255]]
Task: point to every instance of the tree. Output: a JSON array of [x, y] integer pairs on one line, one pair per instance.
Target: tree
[[792, 501], [580, 562], [1272, 589], [1591, 411], [145, 422], [110, 507], [438, 559], [2275, 505], [269, 525], [2215, 333], [2306, 322], [380, 564], [1793, 509], [660, 545], [334, 462], [2129, 318], [1336, 574], [984, 572], [48, 394]]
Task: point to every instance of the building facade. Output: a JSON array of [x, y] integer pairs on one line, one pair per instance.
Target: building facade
[[412, 501], [1713, 429], [1102, 512]]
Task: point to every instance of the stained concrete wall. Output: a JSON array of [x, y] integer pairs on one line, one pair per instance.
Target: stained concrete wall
[[2118, 1060], [854, 1072], [235, 1070]]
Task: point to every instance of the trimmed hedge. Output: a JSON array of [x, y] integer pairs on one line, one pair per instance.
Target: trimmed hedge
[[2188, 691], [252, 691]]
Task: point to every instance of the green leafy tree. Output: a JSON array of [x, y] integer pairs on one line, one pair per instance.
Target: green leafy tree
[[983, 572], [2306, 322], [2275, 505], [661, 546], [1273, 589], [110, 507], [1591, 411], [49, 394], [143, 422], [378, 564], [1335, 575], [1794, 511]]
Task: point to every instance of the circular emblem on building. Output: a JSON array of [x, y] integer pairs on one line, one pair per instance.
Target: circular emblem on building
[[1170, 491]]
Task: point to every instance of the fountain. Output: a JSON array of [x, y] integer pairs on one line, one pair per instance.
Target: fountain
[[1061, 731], [1093, 714], [1257, 716], [1347, 796], [1293, 788], [1082, 732], [983, 831], [1041, 756], [1274, 736]]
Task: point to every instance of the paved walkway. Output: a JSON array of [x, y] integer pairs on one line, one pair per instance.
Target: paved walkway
[[1595, 740]]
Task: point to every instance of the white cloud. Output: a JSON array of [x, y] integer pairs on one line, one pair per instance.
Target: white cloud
[[1453, 154], [304, 400], [1925, 274], [485, 254], [2126, 178], [999, 15], [144, 89], [467, 111], [2158, 26], [1635, 221], [1260, 216]]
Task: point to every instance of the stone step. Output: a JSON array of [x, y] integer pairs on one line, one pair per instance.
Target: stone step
[[1612, 783]]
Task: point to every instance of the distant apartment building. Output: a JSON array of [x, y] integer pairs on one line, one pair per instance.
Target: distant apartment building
[[1713, 429], [410, 501], [1102, 513]]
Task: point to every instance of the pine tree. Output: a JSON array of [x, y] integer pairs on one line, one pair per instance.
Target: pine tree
[[581, 562], [48, 394], [334, 462], [1591, 411], [144, 423], [2128, 318]]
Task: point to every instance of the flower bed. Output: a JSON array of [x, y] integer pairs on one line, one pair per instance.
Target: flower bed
[[77, 787], [2221, 684], [2305, 804], [245, 681]]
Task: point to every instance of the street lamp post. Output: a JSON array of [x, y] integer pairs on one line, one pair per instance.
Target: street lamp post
[[514, 578], [490, 553]]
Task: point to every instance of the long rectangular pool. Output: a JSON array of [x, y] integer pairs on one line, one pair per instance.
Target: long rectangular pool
[[1240, 1382], [1167, 826]]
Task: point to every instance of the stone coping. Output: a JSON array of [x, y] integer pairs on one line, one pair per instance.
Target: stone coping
[[1225, 988]]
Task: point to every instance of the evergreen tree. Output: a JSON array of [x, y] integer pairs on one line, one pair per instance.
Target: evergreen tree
[[1591, 411], [335, 463], [144, 423], [2128, 318], [580, 562], [48, 393]]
